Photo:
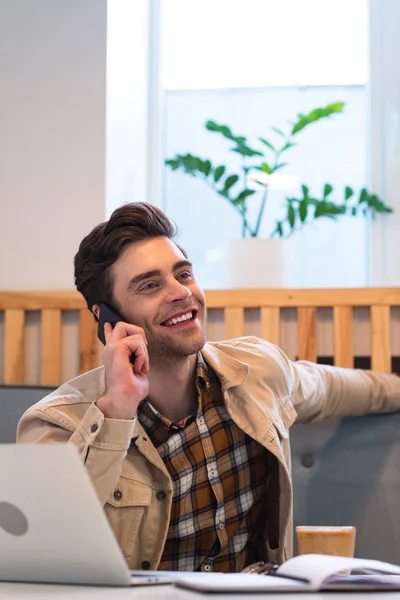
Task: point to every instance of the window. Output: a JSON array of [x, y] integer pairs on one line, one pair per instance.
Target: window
[[252, 65]]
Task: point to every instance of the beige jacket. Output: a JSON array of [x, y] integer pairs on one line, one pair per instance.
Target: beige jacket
[[264, 393]]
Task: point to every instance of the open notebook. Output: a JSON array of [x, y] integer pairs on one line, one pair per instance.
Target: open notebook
[[306, 573]]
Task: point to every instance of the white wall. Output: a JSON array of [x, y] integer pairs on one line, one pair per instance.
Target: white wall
[[52, 141]]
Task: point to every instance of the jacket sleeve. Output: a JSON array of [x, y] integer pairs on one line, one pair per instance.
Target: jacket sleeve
[[321, 391], [102, 443]]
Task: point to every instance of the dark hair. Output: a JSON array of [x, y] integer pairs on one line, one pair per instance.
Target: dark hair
[[105, 243]]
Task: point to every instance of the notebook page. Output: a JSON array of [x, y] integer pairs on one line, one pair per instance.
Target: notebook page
[[318, 567]]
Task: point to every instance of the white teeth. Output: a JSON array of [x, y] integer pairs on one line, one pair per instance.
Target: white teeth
[[176, 320]]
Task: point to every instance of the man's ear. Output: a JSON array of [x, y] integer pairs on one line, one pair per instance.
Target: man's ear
[[96, 310]]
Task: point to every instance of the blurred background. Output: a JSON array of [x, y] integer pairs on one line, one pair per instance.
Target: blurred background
[[96, 95]]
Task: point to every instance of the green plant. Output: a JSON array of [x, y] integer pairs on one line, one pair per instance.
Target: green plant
[[299, 211]]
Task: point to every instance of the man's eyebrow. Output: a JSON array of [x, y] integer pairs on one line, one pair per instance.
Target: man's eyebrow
[[156, 273], [182, 263]]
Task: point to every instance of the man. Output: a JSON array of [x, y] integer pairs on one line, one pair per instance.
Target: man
[[188, 447]]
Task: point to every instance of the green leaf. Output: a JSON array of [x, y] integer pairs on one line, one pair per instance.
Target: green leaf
[[303, 208], [266, 168], [246, 150], [353, 211], [219, 171], [291, 216], [173, 163], [240, 200], [227, 133], [217, 128], [230, 181], [279, 228], [348, 192], [316, 115], [287, 146], [305, 191], [263, 183], [206, 167], [324, 208], [377, 205], [363, 196], [193, 165], [280, 166], [245, 193], [327, 189], [278, 131], [267, 143]]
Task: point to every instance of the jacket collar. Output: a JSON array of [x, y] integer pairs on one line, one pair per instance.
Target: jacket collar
[[231, 372]]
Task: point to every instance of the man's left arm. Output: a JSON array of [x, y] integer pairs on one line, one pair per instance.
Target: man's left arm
[[321, 391]]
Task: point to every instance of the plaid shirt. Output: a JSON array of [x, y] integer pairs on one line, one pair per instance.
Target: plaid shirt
[[219, 476]]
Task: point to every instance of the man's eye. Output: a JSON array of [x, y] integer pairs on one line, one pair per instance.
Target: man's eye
[[186, 275], [149, 286]]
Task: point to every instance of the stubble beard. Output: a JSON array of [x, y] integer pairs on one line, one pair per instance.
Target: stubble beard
[[167, 350]]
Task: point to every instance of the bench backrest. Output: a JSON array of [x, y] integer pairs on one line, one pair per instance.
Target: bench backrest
[[232, 313]]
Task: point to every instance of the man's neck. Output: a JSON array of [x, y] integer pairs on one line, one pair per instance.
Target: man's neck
[[173, 388]]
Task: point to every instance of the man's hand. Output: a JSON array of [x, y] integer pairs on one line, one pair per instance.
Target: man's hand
[[126, 384]]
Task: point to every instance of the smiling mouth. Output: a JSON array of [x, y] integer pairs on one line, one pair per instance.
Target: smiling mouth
[[188, 316]]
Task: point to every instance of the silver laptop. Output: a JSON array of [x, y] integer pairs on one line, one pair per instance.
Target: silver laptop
[[52, 526]]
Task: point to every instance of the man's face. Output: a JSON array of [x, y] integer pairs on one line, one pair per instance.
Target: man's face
[[154, 288]]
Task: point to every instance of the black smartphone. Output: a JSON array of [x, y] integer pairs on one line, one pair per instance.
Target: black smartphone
[[108, 314]]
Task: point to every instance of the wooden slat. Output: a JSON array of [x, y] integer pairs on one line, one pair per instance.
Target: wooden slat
[[343, 336], [69, 300], [72, 300], [380, 339], [303, 297], [234, 322], [14, 322], [270, 324], [307, 333], [50, 362], [88, 343]]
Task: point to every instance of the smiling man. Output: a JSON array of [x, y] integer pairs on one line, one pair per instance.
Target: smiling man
[[188, 446]]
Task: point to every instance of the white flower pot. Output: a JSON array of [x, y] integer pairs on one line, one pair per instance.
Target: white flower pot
[[256, 263]]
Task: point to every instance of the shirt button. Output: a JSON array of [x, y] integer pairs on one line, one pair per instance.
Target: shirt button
[[94, 428], [221, 525], [146, 565], [118, 494], [207, 568], [160, 496]]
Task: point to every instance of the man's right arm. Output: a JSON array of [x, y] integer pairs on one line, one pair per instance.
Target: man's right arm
[[100, 430], [102, 443]]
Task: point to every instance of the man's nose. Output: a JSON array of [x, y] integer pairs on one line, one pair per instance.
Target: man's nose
[[178, 292]]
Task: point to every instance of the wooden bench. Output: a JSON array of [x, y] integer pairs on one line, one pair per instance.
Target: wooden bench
[[361, 321]]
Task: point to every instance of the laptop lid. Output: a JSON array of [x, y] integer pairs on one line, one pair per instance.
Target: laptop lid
[[52, 526]]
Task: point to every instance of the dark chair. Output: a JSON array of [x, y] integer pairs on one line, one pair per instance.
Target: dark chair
[[14, 400], [347, 472]]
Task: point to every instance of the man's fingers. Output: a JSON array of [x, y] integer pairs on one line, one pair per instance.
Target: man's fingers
[[107, 331], [123, 330], [133, 344], [140, 364]]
